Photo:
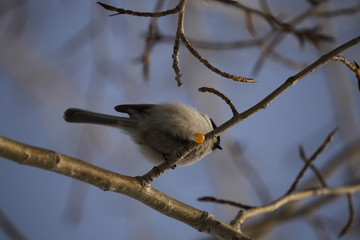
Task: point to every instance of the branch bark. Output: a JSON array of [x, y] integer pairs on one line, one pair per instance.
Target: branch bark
[[243, 216], [110, 181]]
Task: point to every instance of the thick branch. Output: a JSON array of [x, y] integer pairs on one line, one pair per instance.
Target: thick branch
[[107, 180]]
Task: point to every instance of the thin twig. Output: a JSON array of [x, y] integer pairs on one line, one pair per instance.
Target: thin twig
[[283, 88], [280, 34], [223, 201], [352, 66], [179, 31], [342, 59], [294, 211], [351, 218], [151, 38], [313, 167], [357, 73], [222, 96], [311, 160], [138, 14], [180, 35], [248, 12], [339, 12], [267, 50], [236, 45], [211, 67], [241, 218]]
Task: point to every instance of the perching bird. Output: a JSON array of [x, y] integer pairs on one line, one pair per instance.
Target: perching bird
[[159, 129]]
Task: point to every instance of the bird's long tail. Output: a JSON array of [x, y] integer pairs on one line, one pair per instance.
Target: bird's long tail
[[75, 115]]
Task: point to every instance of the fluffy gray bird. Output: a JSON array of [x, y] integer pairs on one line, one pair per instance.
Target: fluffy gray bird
[[159, 129]]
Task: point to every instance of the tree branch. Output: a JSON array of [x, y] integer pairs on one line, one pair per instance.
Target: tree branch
[[176, 157], [310, 161], [110, 181], [138, 14], [241, 218], [210, 66], [283, 88], [222, 96], [294, 211], [179, 30]]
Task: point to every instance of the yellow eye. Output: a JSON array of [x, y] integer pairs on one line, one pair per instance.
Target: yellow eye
[[199, 137]]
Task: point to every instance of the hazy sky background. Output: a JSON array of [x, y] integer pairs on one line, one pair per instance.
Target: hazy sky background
[[60, 54]]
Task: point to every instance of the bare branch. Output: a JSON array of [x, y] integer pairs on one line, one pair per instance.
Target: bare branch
[[284, 87], [312, 35], [313, 167], [311, 160], [339, 12], [158, 170], [295, 211], [110, 181], [151, 38], [248, 12], [211, 67], [237, 45], [351, 218], [294, 197], [283, 29], [179, 31], [352, 66], [138, 14], [222, 201], [267, 51], [222, 96], [180, 35]]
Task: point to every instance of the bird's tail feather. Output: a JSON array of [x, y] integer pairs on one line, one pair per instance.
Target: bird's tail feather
[[75, 115]]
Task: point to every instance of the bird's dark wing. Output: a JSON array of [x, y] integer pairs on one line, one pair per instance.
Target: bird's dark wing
[[131, 108]]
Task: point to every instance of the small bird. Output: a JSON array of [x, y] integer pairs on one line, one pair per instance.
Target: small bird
[[159, 129]]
